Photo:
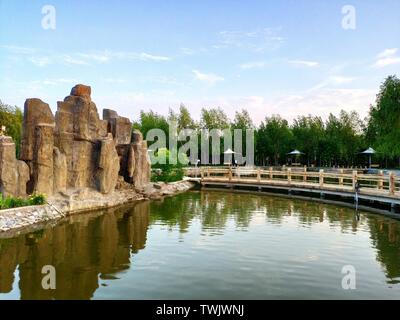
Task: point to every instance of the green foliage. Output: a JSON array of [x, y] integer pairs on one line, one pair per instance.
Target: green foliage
[[214, 118], [274, 139], [13, 202], [11, 118], [167, 172], [383, 130], [151, 120]]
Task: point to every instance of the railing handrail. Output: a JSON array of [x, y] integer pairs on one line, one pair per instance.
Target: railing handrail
[[384, 183]]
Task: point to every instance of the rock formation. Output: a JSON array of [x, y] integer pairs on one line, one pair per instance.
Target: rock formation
[[14, 174], [74, 149]]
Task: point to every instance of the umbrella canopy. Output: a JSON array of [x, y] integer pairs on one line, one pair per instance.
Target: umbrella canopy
[[229, 151], [369, 151], [295, 152]]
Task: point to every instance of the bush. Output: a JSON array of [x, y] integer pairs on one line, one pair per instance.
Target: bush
[[168, 172], [13, 202]]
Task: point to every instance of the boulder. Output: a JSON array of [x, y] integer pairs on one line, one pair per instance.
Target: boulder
[[8, 167], [23, 178], [60, 171], [35, 112], [43, 177], [81, 90], [108, 166], [120, 127], [142, 170]]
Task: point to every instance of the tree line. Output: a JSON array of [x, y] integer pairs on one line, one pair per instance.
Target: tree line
[[336, 141]]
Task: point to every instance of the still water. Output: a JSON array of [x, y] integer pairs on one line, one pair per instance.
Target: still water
[[208, 245]]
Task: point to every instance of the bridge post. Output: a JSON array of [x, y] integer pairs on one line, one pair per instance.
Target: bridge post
[[208, 172], [321, 178], [341, 177], [354, 179], [289, 175], [258, 175], [380, 181], [270, 173], [202, 173], [230, 173], [305, 174], [392, 186]]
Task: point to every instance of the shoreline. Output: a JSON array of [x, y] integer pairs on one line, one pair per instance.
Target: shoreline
[[21, 220]]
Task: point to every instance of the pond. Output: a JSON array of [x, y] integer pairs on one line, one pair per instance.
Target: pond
[[208, 245]]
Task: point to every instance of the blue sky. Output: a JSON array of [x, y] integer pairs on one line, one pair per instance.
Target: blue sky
[[290, 57]]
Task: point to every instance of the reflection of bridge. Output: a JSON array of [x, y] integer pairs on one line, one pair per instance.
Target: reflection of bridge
[[382, 189]]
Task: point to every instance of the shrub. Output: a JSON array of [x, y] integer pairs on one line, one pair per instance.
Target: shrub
[[13, 202], [37, 199], [168, 172]]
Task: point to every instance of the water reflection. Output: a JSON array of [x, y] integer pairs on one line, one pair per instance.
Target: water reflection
[[82, 249], [88, 250]]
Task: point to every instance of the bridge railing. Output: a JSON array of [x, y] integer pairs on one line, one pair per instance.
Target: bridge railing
[[382, 184]]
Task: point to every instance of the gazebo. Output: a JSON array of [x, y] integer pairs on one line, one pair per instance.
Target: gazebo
[[229, 151], [370, 151], [295, 153]]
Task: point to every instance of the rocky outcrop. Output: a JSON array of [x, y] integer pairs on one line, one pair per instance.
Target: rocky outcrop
[[14, 174], [108, 165], [140, 160], [73, 150]]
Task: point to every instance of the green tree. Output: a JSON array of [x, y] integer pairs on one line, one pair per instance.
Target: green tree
[[151, 120], [308, 134], [383, 131], [274, 140], [214, 118], [12, 118]]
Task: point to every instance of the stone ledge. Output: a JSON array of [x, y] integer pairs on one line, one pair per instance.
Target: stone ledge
[[80, 201]]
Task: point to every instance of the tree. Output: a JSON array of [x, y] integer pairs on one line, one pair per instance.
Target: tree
[[383, 131], [214, 118], [12, 118], [308, 134], [274, 140], [185, 121], [151, 120]]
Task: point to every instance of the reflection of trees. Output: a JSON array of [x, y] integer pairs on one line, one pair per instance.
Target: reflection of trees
[[215, 208], [385, 235], [81, 249]]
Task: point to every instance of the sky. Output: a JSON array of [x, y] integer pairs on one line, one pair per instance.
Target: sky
[[292, 57]]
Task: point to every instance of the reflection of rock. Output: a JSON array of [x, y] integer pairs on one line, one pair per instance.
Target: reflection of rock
[[74, 149], [80, 250]]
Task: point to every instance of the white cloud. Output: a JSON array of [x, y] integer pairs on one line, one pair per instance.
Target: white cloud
[[304, 63], [387, 53], [71, 60], [209, 78], [18, 49], [40, 61], [386, 58], [334, 81], [101, 58], [257, 40], [253, 65]]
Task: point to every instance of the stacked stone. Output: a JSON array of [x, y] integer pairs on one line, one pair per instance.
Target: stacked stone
[[75, 149]]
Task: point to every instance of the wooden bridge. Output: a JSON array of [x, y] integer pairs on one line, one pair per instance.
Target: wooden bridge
[[374, 188]]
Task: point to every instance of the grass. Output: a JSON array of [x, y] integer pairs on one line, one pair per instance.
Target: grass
[[13, 202]]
